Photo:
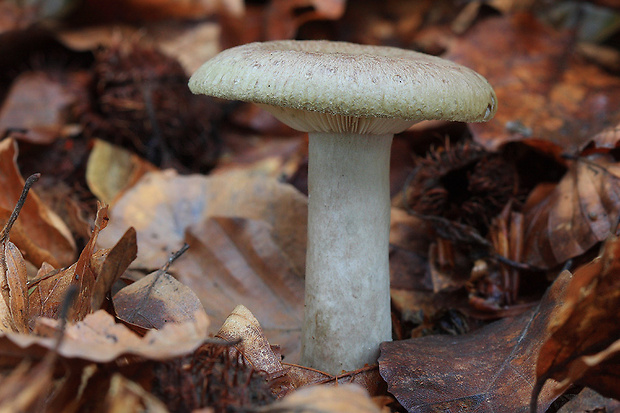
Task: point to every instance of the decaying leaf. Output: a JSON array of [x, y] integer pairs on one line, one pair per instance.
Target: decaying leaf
[[347, 398], [579, 212], [155, 300], [93, 273], [589, 401], [98, 338], [14, 309], [39, 233], [28, 386], [36, 107], [489, 370], [583, 346], [111, 169], [127, 396], [232, 261], [242, 326], [163, 205], [545, 92]]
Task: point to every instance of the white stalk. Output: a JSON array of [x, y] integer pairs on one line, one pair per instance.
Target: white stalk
[[347, 298]]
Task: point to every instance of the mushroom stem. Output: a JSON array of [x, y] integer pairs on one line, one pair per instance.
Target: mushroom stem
[[347, 298]]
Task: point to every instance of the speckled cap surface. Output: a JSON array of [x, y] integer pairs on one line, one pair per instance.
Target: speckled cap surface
[[347, 80]]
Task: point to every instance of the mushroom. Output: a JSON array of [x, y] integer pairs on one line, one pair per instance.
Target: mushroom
[[351, 99]]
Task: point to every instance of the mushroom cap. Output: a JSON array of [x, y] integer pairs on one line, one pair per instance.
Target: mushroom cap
[[355, 83]]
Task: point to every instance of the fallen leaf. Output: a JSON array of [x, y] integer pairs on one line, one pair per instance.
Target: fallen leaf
[[28, 386], [98, 338], [36, 108], [583, 346], [489, 370], [145, 10], [156, 300], [589, 401], [39, 233], [15, 306], [110, 268], [543, 90], [348, 398], [232, 261], [242, 326], [127, 396], [111, 169], [163, 205], [93, 273], [578, 213]]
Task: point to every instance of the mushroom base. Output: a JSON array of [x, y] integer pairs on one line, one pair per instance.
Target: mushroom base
[[347, 298]]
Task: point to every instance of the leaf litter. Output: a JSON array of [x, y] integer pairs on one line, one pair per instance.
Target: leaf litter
[[136, 339]]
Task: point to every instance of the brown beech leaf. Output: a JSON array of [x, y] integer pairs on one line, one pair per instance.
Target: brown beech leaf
[[155, 300], [608, 138], [146, 10], [589, 401], [98, 338], [39, 233], [232, 261], [163, 205], [544, 91], [347, 398], [111, 169], [584, 342], [284, 17], [28, 386], [14, 308], [111, 265], [579, 212], [125, 395], [93, 273], [489, 370], [49, 291], [36, 107]]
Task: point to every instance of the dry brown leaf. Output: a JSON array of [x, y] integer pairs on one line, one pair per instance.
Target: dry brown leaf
[[125, 395], [579, 212], [98, 338], [28, 386], [234, 261], [583, 345], [39, 233], [589, 401], [242, 325], [156, 300], [163, 205], [348, 398], [489, 370], [544, 91], [608, 138], [285, 377], [14, 291], [146, 10], [93, 274], [36, 108], [111, 169], [111, 265]]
